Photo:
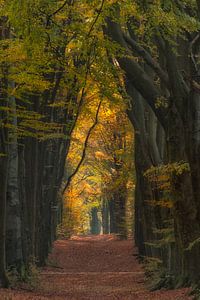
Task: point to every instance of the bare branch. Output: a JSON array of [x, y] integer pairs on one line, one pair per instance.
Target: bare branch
[[84, 148], [69, 2], [193, 44], [97, 17], [59, 9]]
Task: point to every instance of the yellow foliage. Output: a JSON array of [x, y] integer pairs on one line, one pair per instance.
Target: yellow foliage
[[108, 165], [167, 203]]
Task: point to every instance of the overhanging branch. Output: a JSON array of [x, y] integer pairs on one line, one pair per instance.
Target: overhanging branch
[[135, 74], [148, 59], [84, 148], [97, 17]]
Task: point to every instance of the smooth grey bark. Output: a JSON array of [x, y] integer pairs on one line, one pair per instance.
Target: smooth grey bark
[[13, 222], [135, 73], [177, 122], [4, 33], [3, 181], [25, 220], [148, 152]]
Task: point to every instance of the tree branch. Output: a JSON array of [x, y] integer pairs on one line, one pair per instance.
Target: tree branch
[[69, 2], [135, 73], [148, 59], [194, 43], [59, 9], [84, 149], [97, 17]]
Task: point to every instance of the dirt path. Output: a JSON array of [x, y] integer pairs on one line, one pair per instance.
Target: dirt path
[[98, 268]]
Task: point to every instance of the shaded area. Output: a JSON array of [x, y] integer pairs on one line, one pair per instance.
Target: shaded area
[[94, 267]]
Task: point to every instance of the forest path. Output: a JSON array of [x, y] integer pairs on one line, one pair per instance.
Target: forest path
[[93, 267]]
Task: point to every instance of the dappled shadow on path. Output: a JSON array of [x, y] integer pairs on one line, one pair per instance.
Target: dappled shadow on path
[[95, 267]]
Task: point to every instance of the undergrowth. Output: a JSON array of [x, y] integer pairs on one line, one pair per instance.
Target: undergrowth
[[195, 291], [63, 232], [53, 263], [27, 275], [157, 275]]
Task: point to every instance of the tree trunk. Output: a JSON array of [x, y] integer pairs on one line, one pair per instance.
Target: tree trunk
[[3, 197], [13, 224], [112, 210], [105, 216], [94, 223]]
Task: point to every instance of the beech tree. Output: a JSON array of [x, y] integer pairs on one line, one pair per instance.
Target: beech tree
[[44, 67], [142, 56], [158, 52]]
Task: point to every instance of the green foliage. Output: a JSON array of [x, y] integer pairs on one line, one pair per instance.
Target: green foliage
[[65, 229], [176, 168], [157, 275], [195, 293], [193, 244], [28, 275], [54, 55], [46, 41], [165, 237], [152, 266], [163, 176], [161, 102]]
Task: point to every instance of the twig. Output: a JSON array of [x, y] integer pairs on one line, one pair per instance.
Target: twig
[[191, 46], [97, 17], [59, 9]]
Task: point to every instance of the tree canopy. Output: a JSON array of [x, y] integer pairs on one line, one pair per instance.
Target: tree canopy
[[99, 99]]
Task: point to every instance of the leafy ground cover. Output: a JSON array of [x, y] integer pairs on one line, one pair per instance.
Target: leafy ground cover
[[93, 267]]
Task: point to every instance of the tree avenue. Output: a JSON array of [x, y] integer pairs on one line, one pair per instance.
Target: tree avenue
[[102, 190], [81, 85]]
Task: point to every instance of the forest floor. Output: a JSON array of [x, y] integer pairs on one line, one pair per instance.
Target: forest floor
[[93, 267]]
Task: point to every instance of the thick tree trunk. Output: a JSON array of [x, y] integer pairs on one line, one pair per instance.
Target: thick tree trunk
[[25, 208], [13, 227], [144, 158], [13, 224], [3, 197], [176, 121], [4, 156], [187, 226]]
